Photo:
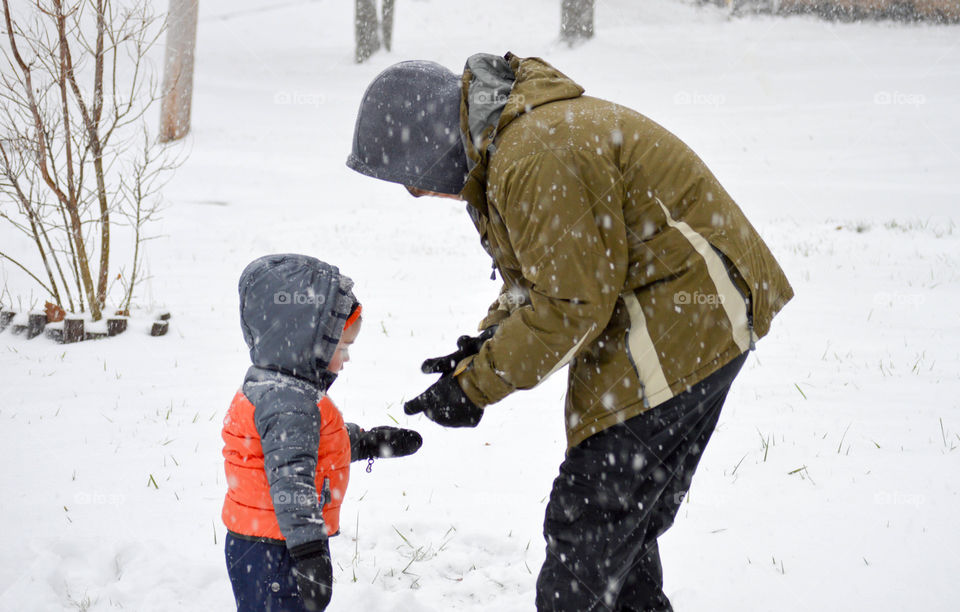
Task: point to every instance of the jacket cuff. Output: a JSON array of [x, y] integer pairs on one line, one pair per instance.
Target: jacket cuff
[[354, 432], [481, 384], [492, 319], [309, 550]]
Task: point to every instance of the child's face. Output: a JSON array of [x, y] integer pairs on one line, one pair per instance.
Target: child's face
[[342, 354]]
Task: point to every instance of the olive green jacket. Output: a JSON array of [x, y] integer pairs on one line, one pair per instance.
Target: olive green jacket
[[620, 252]]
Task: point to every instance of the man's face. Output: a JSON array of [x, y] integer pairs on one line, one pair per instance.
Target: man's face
[[423, 192], [342, 354]]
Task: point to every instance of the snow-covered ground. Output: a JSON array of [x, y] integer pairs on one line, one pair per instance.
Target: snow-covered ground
[[833, 480]]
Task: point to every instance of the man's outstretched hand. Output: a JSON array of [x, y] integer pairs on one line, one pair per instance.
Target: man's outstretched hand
[[446, 404], [466, 346]]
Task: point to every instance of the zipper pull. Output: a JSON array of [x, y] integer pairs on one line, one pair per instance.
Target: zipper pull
[[646, 400], [369, 465], [493, 273]]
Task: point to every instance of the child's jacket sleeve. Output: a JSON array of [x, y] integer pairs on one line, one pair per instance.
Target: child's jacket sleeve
[[288, 421]]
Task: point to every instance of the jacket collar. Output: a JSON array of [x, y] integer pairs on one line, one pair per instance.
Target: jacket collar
[[494, 91]]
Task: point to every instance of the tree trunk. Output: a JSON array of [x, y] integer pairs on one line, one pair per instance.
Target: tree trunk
[[387, 24], [366, 26], [178, 70], [576, 20]]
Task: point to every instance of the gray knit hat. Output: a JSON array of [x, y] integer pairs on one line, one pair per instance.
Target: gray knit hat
[[408, 129]]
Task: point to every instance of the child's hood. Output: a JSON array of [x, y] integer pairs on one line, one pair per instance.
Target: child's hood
[[292, 311]]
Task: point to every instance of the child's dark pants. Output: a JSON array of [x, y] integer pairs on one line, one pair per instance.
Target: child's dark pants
[[262, 576], [617, 492]]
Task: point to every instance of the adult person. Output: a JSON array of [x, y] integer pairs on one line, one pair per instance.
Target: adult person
[[621, 255]]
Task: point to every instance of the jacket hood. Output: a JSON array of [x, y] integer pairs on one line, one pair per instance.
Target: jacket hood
[[407, 128], [495, 90], [292, 312]]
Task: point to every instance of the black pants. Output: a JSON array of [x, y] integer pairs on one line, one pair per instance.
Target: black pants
[[261, 574], [617, 492]]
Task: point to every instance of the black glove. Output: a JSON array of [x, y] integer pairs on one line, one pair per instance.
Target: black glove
[[314, 574], [385, 442], [446, 404], [466, 346]]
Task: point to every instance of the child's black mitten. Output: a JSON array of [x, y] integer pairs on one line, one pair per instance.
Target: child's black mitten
[[466, 346], [314, 574], [384, 442]]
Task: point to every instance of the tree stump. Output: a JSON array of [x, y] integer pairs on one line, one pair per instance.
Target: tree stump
[[72, 330], [35, 325], [116, 326], [160, 328], [5, 317]]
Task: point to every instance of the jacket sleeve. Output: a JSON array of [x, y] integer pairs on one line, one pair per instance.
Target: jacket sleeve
[[498, 311], [563, 213], [288, 422], [354, 432]]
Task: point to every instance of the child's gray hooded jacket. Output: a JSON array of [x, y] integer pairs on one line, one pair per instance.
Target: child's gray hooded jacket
[[292, 310]]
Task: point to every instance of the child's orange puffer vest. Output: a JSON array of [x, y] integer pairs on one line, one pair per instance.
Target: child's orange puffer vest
[[248, 508]]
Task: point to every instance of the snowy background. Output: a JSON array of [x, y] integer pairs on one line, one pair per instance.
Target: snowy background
[[833, 479]]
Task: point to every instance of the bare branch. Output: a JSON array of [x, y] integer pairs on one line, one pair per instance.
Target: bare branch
[[29, 273], [38, 122]]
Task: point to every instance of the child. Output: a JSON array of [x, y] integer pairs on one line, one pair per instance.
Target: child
[[287, 449]]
